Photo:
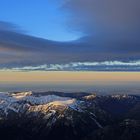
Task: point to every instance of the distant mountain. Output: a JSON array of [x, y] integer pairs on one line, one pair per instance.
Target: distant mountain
[[69, 116]]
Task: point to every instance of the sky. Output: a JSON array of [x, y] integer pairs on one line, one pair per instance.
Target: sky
[[70, 35], [70, 81], [70, 77]]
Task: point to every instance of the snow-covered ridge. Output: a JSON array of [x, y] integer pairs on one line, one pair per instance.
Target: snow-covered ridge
[[14, 101], [63, 103], [29, 102], [29, 97], [21, 95], [90, 97], [44, 99], [51, 106], [122, 96]]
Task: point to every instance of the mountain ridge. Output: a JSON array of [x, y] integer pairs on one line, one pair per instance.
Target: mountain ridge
[[85, 116]]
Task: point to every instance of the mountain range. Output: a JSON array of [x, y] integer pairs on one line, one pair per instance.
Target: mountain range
[[69, 116]]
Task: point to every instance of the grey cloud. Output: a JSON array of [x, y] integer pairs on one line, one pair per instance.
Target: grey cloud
[[110, 25], [20, 50], [8, 26], [105, 13]]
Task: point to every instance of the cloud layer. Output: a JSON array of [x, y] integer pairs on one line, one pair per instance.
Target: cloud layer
[[111, 39], [88, 66]]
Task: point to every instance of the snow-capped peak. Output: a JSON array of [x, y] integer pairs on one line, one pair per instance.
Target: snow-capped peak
[[63, 103], [90, 97], [21, 95]]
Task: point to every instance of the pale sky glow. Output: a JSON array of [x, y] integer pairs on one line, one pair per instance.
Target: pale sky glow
[[42, 76]]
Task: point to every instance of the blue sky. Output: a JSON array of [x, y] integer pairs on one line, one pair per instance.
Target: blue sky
[[41, 18], [70, 35]]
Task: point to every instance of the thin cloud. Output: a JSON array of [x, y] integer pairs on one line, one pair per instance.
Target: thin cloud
[[103, 66]]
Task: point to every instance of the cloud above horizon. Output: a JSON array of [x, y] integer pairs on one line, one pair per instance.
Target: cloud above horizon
[[83, 66]]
